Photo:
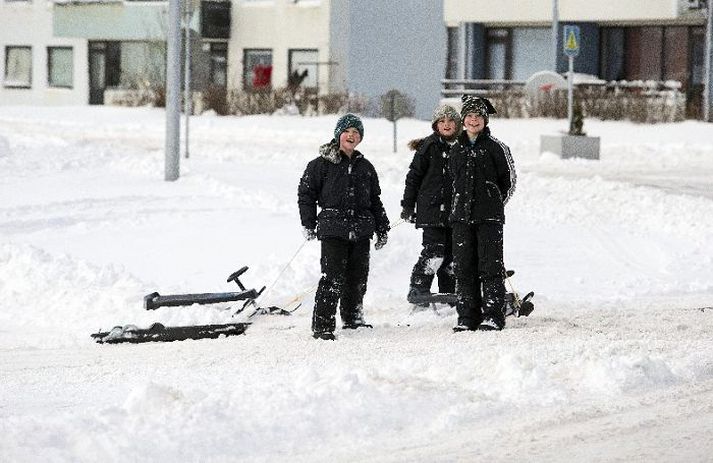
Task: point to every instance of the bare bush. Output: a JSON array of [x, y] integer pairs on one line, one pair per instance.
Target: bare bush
[[395, 105], [137, 92], [216, 98], [635, 102]]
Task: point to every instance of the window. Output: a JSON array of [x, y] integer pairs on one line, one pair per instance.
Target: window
[[218, 64], [498, 46], [644, 51], [257, 69], [531, 51], [18, 67], [215, 20], [303, 68], [60, 67], [612, 54], [697, 55], [675, 58], [452, 53]]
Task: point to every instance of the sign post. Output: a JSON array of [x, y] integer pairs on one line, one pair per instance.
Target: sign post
[[571, 43]]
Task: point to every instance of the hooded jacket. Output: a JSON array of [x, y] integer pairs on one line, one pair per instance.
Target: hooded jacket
[[428, 186], [484, 179], [347, 192]]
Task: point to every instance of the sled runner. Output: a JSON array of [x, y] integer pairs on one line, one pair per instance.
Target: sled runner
[[160, 333], [514, 305]]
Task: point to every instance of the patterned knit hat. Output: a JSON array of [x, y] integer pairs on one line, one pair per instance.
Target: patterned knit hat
[[348, 121], [477, 105], [445, 111]]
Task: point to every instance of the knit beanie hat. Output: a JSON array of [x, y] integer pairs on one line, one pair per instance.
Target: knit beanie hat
[[474, 104], [348, 121], [445, 111]]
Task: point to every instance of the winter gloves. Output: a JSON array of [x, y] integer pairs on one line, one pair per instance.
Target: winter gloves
[[381, 239], [408, 215], [309, 233]]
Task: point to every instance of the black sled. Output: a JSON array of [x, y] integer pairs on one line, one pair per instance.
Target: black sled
[[160, 333], [514, 305]]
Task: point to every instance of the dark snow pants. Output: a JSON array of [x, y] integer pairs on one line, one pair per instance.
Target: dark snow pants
[[479, 270], [345, 269], [436, 258]]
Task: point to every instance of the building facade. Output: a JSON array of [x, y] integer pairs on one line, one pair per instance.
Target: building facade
[[36, 67], [83, 51], [636, 40]]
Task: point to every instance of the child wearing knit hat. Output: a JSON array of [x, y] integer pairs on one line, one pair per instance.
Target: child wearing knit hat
[[344, 185], [426, 203], [483, 174]]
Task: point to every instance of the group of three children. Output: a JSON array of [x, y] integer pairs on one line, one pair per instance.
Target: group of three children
[[458, 183]]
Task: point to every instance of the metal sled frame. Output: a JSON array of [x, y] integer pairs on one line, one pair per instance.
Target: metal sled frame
[[154, 300]]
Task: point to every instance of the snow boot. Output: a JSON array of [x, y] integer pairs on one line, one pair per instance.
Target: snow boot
[[491, 324], [459, 328], [325, 335], [355, 325], [414, 293]]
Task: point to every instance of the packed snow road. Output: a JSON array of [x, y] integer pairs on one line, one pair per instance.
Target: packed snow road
[[615, 363]]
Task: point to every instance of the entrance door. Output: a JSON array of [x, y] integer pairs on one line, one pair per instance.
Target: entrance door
[[104, 69]]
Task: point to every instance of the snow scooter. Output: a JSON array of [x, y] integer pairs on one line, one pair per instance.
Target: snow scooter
[[159, 332], [514, 305]]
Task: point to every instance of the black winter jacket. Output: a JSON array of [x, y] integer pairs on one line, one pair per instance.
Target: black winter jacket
[[428, 185], [483, 179], [348, 194]]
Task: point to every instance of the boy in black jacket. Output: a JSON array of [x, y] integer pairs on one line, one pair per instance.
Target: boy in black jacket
[[427, 202], [484, 177], [346, 188]]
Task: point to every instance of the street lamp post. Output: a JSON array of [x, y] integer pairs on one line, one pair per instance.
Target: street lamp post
[[187, 90], [173, 91], [555, 31], [708, 77]]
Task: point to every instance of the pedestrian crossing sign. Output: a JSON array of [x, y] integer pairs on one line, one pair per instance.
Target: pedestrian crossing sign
[[571, 40]]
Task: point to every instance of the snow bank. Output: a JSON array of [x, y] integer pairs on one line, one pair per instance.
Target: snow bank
[[617, 351]]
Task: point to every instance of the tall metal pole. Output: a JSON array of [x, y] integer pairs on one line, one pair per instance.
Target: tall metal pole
[[173, 90], [708, 77], [187, 90], [570, 93], [393, 116], [555, 31]]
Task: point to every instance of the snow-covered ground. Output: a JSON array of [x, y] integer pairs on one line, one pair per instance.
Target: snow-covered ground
[[615, 364]]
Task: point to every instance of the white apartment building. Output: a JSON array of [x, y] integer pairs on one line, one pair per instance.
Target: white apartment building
[[365, 47], [72, 51]]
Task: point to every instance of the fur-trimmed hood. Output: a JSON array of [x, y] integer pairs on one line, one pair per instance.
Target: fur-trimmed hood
[[416, 143], [330, 152]]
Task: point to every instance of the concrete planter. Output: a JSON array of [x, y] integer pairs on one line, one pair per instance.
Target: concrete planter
[[570, 146]]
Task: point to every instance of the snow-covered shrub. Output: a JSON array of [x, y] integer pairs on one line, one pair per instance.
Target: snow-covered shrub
[[645, 102]]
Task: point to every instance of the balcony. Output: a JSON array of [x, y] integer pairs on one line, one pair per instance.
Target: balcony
[[110, 19]]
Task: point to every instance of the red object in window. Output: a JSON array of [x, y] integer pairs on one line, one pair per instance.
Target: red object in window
[[262, 76]]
